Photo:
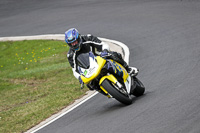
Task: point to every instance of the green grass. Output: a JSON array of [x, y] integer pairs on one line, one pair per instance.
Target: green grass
[[36, 81]]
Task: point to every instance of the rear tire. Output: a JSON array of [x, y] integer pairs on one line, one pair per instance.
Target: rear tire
[[139, 88], [115, 93]]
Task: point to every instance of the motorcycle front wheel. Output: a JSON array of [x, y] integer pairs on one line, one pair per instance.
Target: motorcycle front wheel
[[110, 88]]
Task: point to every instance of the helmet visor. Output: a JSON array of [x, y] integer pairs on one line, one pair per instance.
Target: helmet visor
[[75, 45]]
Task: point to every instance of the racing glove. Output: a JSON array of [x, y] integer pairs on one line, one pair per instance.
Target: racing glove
[[81, 82], [105, 53]]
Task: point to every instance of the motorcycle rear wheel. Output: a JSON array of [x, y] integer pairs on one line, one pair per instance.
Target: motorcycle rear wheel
[[125, 99]]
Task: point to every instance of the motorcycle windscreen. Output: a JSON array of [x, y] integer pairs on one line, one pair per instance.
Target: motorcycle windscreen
[[83, 60]]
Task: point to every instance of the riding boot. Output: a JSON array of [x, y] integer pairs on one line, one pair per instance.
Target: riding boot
[[118, 58], [133, 71]]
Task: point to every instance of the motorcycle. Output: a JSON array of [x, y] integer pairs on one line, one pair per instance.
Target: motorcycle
[[109, 78]]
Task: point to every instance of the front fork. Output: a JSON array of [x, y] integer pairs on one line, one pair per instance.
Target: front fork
[[115, 83]]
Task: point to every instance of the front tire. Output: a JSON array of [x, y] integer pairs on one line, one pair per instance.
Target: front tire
[[107, 85]]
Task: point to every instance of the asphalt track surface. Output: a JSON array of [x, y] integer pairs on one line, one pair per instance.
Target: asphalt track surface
[[164, 41]]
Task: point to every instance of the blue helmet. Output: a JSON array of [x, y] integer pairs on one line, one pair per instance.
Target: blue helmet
[[73, 39]]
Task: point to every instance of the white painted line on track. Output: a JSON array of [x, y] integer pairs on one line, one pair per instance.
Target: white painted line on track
[[69, 110], [83, 99]]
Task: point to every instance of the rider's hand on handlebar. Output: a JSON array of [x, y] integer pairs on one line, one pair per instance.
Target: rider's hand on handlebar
[[105, 53], [81, 82]]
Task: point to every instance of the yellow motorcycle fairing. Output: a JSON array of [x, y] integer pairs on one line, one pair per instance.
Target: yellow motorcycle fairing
[[112, 77], [119, 67], [109, 77], [101, 62]]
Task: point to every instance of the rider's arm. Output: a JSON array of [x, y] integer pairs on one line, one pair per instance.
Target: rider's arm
[[70, 57], [97, 45], [76, 74]]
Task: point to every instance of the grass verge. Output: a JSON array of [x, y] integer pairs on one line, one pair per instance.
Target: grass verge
[[36, 81]]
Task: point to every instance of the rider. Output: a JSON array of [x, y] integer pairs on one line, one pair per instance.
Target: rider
[[85, 43]]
